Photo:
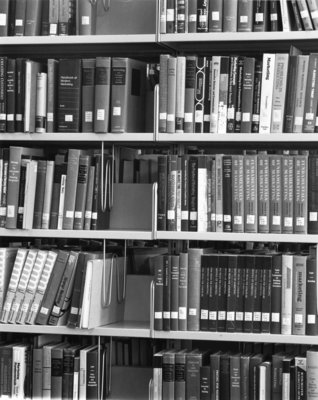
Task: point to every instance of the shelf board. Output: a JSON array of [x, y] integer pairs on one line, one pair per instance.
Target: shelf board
[[237, 237], [126, 328], [238, 137], [77, 137], [237, 337], [78, 234]]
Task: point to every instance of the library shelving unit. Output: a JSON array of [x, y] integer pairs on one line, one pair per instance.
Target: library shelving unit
[[151, 45]]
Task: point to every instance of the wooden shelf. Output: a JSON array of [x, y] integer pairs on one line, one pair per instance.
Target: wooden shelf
[[80, 234], [237, 237]]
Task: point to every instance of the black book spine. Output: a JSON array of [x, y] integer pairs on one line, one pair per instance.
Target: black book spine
[[11, 94], [312, 194], [213, 291], [232, 93], [193, 193], [204, 294], [276, 294], [239, 93], [3, 94], [162, 193], [227, 193], [257, 96], [222, 293], [311, 297], [202, 15], [166, 292]]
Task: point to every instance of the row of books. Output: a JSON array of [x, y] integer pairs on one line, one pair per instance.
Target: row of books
[[255, 292], [253, 193], [185, 16], [237, 94], [204, 374], [99, 94], [54, 287], [63, 191], [46, 17], [54, 368]]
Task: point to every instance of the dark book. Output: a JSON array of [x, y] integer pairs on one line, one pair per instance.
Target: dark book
[[232, 93], [311, 100], [102, 94], [207, 96], [266, 294], [277, 375], [215, 15], [45, 24], [260, 20], [59, 170], [172, 169], [185, 193], [223, 93], [81, 191], [276, 294], [257, 95], [181, 16], [32, 69], [238, 192], [190, 90], [239, 292], [257, 294], [4, 180], [311, 297], [288, 387], [250, 191], [215, 359], [66, 17], [222, 292], [54, 283], [89, 198], [183, 291], [193, 193], [300, 378], [275, 204], [163, 93], [263, 193], [200, 82], [11, 17], [296, 16], [6, 363], [170, 17], [225, 376], [39, 194], [166, 302], [247, 94], [192, 16], [69, 354], [168, 374], [273, 15], [245, 378], [195, 359], [174, 307], [11, 94], [204, 293], [239, 96], [212, 261], [300, 197], [232, 285], [86, 17], [3, 92], [227, 193], [57, 353], [202, 15], [88, 94], [290, 94], [235, 376], [245, 15], [23, 170], [20, 92], [205, 382], [249, 293], [255, 360], [312, 194], [52, 79], [230, 15], [33, 13], [158, 293], [162, 192], [69, 95], [4, 10], [92, 374]]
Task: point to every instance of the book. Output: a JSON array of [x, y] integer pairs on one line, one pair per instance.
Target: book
[[158, 292], [263, 188], [245, 16], [286, 25], [32, 68], [223, 94], [304, 15], [311, 297], [192, 16], [300, 376], [257, 95], [127, 95], [290, 94], [189, 95], [29, 194], [227, 193], [3, 92], [250, 193], [302, 72], [310, 107], [233, 96], [287, 293], [200, 83], [170, 16], [204, 294], [39, 194], [267, 92], [19, 369], [33, 13], [41, 96], [235, 375], [260, 20], [102, 94], [88, 94], [311, 199], [45, 29], [275, 206], [276, 294], [4, 11], [163, 93], [183, 291], [266, 293], [69, 354], [181, 8], [180, 93], [247, 94], [311, 356], [195, 359], [47, 200], [168, 374], [174, 307], [172, 171], [57, 353], [171, 94], [7, 260], [81, 191], [299, 294], [313, 7], [66, 17], [180, 373], [69, 83], [230, 15], [51, 107], [193, 193], [231, 301], [11, 94], [287, 194], [202, 206], [273, 15], [215, 16], [264, 379], [214, 103], [215, 374], [86, 18]]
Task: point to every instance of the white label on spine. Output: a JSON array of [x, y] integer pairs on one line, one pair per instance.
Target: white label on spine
[[188, 117], [230, 316], [198, 116], [18, 117], [215, 16], [275, 317], [221, 315], [170, 117], [78, 214], [35, 307], [288, 221], [171, 214], [94, 215], [204, 314], [50, 117], [259, 17], [248, 316], [44, 310], [74, 310], [10, 117], [192, 17], [85, 19], [3, 19], [158, 315], [192, 311], [69, 214], [183, 313], [243, 19], [206, 118], [163, 18], [314, 14], [88, 116], [311, 318], [300, 221], [276, 220], [213, 315], [246, 117], [56, 309], [19, 22], [304, 14], [45, 216], [262, 220], [181, 17], [163, 116], [309, 116], [53, 29], [313, 216], [100, 115], [24, 307], [69, 118], [193, 216], [274, 17], [10, 211], [255, 118], [117, 111], [298, 318], [277, 115], [88, 214], [170, 14], [250, 219], [265, 317], [174, 314], [3, 116], [257, 316], [298, 120], [239, 316], [185, 215], [166, 314], [227, 218], [238, 220], [230, 113], [203, 18]]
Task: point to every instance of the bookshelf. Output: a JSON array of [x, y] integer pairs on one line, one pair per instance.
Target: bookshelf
[[151, 45]]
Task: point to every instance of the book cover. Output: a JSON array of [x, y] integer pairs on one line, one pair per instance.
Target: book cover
[[247, 94], [162, 192], [287, 294], [45, 28], [51, 107], [299, 294], [255, 360], [239, 292], [102, 94], [81, 191], [163, 93], [127, 95], [230, 15], [295, 16], [215, 16], [300, 377], [267, 93], [69, 84], [245, 16], [39, 194], [88, 94], [264, 380], [4, 11]]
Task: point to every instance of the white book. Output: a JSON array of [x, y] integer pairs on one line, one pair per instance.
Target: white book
[[41, 287], [19, 369], [279, 92], [29, 194], [180, 92], [285, 16], [267, 93], [76, 378], [287, 294], [32, 285], [13, 283], [202, 194], [48, 194], [312, 376], [83, 376], [61, 203], [41, 95], [22, 285], [215, 84]]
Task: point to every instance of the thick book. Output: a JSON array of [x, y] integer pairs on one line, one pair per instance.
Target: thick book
[[257, 95], [32, 68], [215, 359], [235, 375], [300, 377], [276, 294], [183, 291], [311, 100], [273, 15], [204, 294], [81, 191], [312, 198], [39, 194], [166, 302], [3, 93], [127, 95], [88, 94], [291, 94], [249, 293], [189, 95], [223, 261], [66, 17], [158, 292], [54, 283], [162, 192], [180, 94], [51, 106], [69, 84], [230, 15], [285, 17], [239, 95], [223, 94], [266, 293], [69, 354], [102, 94], [168, 374], [302, 72], [200, 82], [172, 170], [86, 17], [163, 93], [174, 306], [311, 297], [287, 294], [233, 96], [45, 28], [264, 371], [202, 196], [57, 369], [257, 279], [215, 16], [245, 16], [267, 93], [4, 11], [180, 374], [11, 94], [192, 16], [299, 295], [260, 14], [29, 194], [47, 200], [193, 193], [247, 94], [195, 359], [232, 284], [250, 193], [219, 193], [33, 14], [304, 15], [172, 94]]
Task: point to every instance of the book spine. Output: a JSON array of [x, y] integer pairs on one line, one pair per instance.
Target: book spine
[[193, 193], [263, 193], [275, 211], [52, 66], [174, 314], [11, 94], [302, 72], [313, 9], [89, 198], [33, 14], [222, 292], [249, 294], [287, 297], [45, 28], [227, 193], [158, 301], [245, 16], [247, 94], [266, 294], [250, 199], [202, 15], [312, 197], [232, 94], [45, 221], [166, 323], [172, 192], [180, 375], [181, 16], [239, 95], [215, 82], [230, 15], [273, 15], [39, 194], [183, 291], [231, 294], [192, 16], [296, 15], [290, 95], [207, 96], [102, 94], [163, 93], [171, 16], [194, 276], [86, 18], [204, 295], [257, 293], [216, 16], [267, 93], [213, 270], [180, 94], [162, 192], [260, 16], [202, 197], [240, 279], [81, 191], [88, 94], [299, 295], [219, 193], [3, 94], [285, 16], [168, 375], [288, 194], [257, 96], [200, 83], [184, 193], [310, 107], [41, 96], [276, 291], [223, 94], [304, 15], [191, 62]]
